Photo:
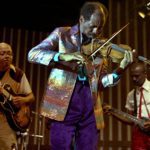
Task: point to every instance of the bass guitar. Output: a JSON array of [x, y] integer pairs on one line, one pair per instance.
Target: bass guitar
[[18, 118]]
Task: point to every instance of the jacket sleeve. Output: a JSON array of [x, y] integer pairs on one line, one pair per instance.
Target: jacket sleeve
[[44, 52]]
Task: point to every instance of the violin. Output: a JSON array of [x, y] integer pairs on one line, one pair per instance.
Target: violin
[[107, 49], [113, 51], [141, 58]]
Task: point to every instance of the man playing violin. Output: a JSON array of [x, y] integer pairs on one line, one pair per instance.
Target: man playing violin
[[72, 97]]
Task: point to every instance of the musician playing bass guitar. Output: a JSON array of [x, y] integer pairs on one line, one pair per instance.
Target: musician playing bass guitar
[[15, 97], [138, 105]]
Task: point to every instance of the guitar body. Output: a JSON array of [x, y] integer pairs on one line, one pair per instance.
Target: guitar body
[[18, 118]]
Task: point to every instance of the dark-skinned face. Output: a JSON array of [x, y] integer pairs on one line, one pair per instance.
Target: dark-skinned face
[[138, 75], [92, 27], [5, 57]]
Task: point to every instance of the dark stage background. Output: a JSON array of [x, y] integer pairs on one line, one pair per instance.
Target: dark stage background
[[24, 24]]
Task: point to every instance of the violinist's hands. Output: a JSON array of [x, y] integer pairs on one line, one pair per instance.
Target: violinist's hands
[[107, 109], [128, 56], [72, 56]]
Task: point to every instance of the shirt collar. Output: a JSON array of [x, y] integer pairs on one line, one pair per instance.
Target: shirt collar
[[146, 85]]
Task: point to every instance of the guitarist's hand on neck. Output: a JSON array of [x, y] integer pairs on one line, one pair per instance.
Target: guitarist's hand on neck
[[107, 109], [119, 115]]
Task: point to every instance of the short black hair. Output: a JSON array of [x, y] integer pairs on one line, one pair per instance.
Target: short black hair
[[139, 64]]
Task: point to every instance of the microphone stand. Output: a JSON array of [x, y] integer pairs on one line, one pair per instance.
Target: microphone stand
[[24, 137]]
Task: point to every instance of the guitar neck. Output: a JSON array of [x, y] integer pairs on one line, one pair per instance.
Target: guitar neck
[[127, 116]]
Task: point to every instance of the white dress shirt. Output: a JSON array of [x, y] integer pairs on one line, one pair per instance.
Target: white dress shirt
[[146, 93]]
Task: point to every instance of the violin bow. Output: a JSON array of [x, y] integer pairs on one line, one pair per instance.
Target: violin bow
[[116, 33]]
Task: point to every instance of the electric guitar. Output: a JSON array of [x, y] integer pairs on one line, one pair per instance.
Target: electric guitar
[[18, 118], [135, 120]]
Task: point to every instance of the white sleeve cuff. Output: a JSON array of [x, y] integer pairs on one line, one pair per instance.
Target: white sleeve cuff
[[107, 80], [110, 80]]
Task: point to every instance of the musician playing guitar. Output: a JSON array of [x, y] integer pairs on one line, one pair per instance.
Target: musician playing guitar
[[138, 105], [15, 99]]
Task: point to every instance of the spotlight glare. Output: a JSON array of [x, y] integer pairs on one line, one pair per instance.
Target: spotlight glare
[[141, 14]]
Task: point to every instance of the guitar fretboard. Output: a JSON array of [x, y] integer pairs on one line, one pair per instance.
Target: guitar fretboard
[[132, 118]]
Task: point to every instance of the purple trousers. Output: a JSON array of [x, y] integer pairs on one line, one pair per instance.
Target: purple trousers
[[78, 131]]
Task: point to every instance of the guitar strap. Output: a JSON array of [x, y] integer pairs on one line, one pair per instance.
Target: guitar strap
[[135, 104], [146, 107]]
